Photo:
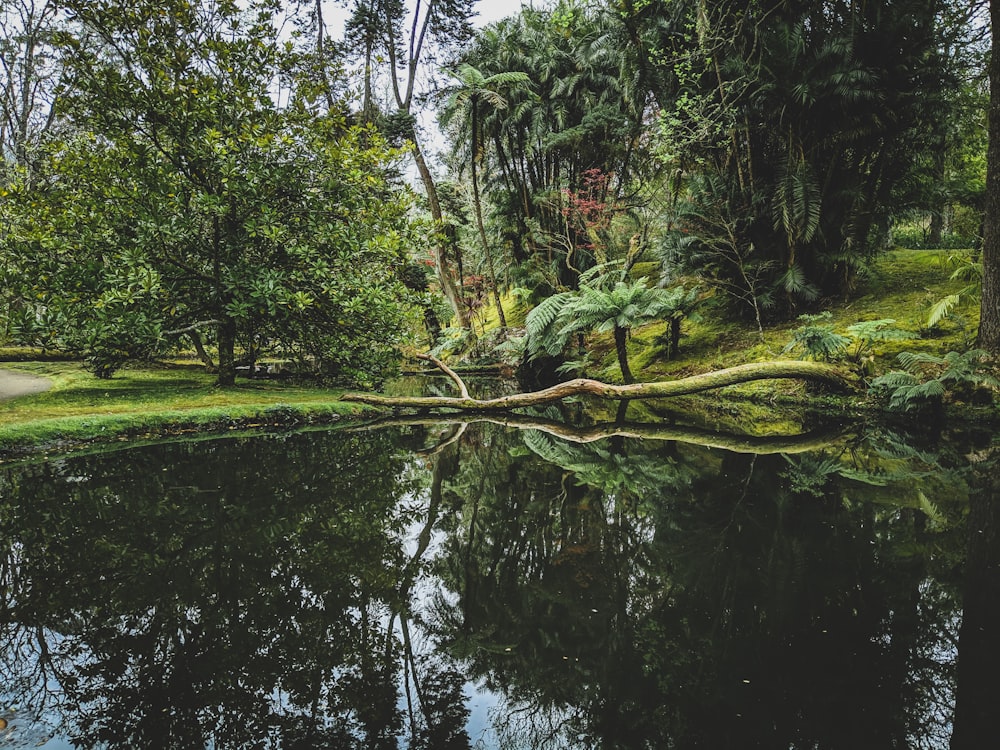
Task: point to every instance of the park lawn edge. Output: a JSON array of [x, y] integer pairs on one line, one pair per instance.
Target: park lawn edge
[[71, 434], [154, 401], [905, 283]]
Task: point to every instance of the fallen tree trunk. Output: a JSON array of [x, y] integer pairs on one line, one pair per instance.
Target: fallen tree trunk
[[811, 371]]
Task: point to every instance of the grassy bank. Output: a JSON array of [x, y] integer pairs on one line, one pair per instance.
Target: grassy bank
[[136, 402], [140, 402]]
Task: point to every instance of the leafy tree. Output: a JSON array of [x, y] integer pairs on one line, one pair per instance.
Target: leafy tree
[[582, 115], [191, 201], [401, 40], [804, 119], [29, 73]]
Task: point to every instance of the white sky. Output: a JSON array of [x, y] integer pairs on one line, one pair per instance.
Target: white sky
[[493, 10], [487, 11]]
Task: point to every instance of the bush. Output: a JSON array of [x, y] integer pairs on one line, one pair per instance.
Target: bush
[[915, 237]]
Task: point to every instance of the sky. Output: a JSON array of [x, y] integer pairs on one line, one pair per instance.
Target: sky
[[493, 10], [487, 11]]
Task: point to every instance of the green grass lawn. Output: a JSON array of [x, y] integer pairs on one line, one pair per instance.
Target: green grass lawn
[[903, 286], [81, 407]]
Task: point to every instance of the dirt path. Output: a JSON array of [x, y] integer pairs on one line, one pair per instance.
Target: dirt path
[[13, 384]]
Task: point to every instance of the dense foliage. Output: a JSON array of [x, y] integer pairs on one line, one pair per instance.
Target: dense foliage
[[183, 200], [194, 169]]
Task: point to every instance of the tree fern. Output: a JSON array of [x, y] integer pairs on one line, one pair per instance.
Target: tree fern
[[616, 309], [815, 340]]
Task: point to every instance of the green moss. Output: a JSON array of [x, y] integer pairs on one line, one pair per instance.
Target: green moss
[[902, 286]]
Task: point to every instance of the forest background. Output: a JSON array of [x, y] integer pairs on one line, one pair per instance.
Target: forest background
[[234, 179]]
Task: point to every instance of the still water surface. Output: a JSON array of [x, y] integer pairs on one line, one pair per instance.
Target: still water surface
[[433, 585]]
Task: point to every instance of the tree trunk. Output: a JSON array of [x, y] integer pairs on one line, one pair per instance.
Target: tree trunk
[[477, 204], [227, 352], [620, 348], [781, 369], [989, 321], [675, 337], [441, 267], [199, 347]]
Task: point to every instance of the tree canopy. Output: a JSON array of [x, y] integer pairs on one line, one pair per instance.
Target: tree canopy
[[185, 199]]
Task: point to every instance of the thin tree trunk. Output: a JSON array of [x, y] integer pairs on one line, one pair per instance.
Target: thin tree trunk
[[989, 320], [227, 352], [622, 351], [199, 347], [321, 55], [479, 217], [675, 337], [441, 266]]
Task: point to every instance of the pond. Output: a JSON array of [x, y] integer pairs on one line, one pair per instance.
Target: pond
[[479, 585]]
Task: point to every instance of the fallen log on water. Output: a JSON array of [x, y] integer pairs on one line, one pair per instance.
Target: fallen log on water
[[816, 372]]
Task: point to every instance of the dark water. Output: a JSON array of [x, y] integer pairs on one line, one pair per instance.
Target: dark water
[[466, 586]]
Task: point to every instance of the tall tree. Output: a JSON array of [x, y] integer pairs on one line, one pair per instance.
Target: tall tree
[[190, 201], [809, 116], [405, 39], [581, 115], [472, 92], [989, 319], [30, 74]]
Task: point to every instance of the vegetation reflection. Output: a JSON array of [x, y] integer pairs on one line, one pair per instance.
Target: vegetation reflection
[[351, 589]]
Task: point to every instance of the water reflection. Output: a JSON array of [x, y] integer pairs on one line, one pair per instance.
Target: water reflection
[[351, 589]]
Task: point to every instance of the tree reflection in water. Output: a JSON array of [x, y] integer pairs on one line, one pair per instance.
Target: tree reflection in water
[[347, 590]]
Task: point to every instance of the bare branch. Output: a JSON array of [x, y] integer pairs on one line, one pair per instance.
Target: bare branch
[[192, 327], [462, 390]]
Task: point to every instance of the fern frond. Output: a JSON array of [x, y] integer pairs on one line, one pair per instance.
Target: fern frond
[[541, 325], [908, 398], [794, 281], [879, 330], [942, 309], [918, 362], [894, 379]]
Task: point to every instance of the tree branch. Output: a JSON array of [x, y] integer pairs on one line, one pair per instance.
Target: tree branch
[[193, 326], [462, 390], [758, 445], [812, 371]]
